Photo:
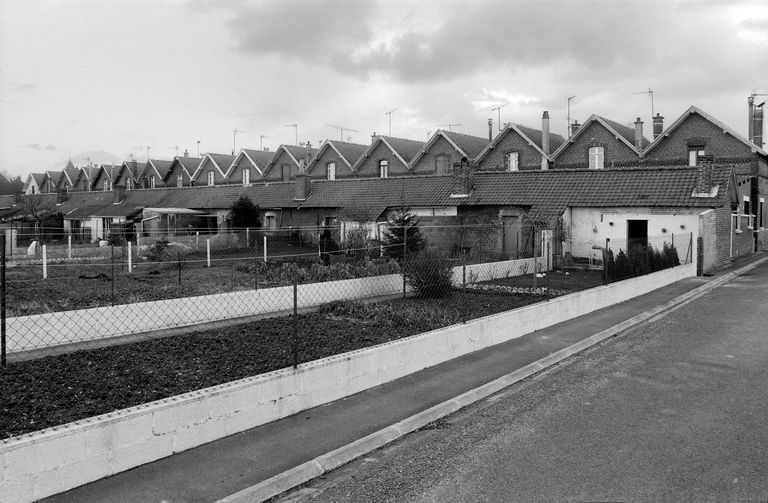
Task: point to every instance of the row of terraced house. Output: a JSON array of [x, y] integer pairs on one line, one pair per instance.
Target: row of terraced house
[[606, 181]]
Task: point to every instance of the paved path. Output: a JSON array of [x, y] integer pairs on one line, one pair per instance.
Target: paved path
[[674, 410], [229, 465]]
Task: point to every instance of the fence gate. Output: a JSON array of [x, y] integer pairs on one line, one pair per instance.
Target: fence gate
[[511, 236]]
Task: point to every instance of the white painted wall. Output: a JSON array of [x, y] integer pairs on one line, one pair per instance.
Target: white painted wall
[[51, 461], [589, 227]]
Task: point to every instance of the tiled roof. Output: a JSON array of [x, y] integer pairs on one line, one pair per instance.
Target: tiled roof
[[161, 166], [72, 172], [350, 151], [535, 135], [38, 177], [260, 157], [223, 161], [190, 164], [54, 176], [626, 132], [471, 145], [407, 149]]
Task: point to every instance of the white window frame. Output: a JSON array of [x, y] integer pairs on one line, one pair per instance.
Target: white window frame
[[447, 165], [179, 180], [246, 176], [210, 178], [596, 155], [127, 184], [693, 155], [761, 209], [152, 181], [330, 171], [383, 168], [512, 160]]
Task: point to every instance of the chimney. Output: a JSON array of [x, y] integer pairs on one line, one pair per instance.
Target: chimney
[[186, 153], [490, 130], [575, 127], [750, 119], [704, 165], [658, 125], [373, 137], [463, 178], [757, 128], [303, 186], [62, 196], [545, 132], [639, 134], [17, 196], [118, 193]]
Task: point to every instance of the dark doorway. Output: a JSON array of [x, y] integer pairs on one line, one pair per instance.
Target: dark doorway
[[637, 233]]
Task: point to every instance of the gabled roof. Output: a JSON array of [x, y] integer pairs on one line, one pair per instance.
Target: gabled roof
[[259, 159], [71, 173], [107, 169], [38, 178], [705, 116], [466, 145], [349, 153], [159, 166], [221, 162], [532, 136], [295, 152], [188, 164], [405, 150], [622, 133], [131, 166], [53, 176]]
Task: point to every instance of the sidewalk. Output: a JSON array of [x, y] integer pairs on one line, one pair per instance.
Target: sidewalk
[[221, 468]]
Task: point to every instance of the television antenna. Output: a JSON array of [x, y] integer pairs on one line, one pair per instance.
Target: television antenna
[[296, 131], [390, 119], [568, 117], [234, 139], [449, 125], [198, 148], [175, 147], [261, 141], [498, 109], [341, 130], [649, 92]]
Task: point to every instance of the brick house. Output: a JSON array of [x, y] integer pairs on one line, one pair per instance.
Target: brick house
[[696, 133], [34, 183], [82, 182], [520, 148], [126, 175], [287, 162], [436, 157], [50, 182], [103, 178], [387, 156], [249, 166], [334, 160], [67, 179], [212, 170], [154, 174], [601, 143], [180, 171]]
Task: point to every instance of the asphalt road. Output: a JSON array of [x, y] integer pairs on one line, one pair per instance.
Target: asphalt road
[[674, 410]]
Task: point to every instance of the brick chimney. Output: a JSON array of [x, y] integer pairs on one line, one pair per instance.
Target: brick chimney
[[639, 134], [463, 178], [704, 166], [61, 196], [118, 194], [575, 127], [658, 125], [757, 128], [303, 186], [490, 130], [186, 153], [545, 132]]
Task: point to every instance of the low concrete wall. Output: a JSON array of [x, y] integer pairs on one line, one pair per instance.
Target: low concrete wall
[[47, 462], [476, 273]]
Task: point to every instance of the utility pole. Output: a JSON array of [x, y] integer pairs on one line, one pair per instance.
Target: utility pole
[[568, 118], [649, 92], [390, 119], [498, 109], [148, 147], [449, 125], [341, 130], [261, 141], [234, 139], [296, 130], [198, 148]]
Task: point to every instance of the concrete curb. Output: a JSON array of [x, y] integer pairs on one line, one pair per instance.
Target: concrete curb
[[320, 465]]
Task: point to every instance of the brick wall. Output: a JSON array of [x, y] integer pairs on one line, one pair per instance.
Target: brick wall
[[202, 175], [370, 167], [674, 148], [617, 153], [530, 158], [275, 172], [319, 168], [427, 163], [743, 242]]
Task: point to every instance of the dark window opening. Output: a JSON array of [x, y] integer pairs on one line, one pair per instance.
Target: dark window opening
[[637, 233]]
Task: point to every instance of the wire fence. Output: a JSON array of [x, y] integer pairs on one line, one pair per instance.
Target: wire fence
[[85, 336]]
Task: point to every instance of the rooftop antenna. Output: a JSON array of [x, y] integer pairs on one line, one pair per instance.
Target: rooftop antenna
[[198, 148], [649, 92], [568, 118], [261, 141], [449, 125], [341, 130], [390, 119], [177, 149], [296, 130], [148, 147], [498, 109], [234, 139]]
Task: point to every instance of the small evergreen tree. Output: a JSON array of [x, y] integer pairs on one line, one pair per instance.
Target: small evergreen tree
[[403, 227], [244, 213]]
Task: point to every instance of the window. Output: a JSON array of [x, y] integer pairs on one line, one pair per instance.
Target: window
[[383, 168], [246, 176], [285, 172], [269, 221], [760, 211], [179, 180], [210, 178], [747, 209], [105, 185], [128, 184], [512, 161], [331, 170], [152, 182], [33, 189], [596, 157], [442, 164], [693, 154]]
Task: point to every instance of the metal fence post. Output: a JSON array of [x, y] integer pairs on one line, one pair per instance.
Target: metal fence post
[[464, 291], [178, 257], [113, 275], [2, 300], [69, 246], [265, 248], [295, 324], [208, 252], [45, 262], [247, 237], [130, 259]]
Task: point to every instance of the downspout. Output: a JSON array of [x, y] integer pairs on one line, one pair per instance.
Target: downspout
[[730, 256]]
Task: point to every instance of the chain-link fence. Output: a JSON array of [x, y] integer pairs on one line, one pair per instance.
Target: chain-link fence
[[117, 323]]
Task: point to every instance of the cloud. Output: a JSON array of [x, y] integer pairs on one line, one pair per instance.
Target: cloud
[[37, 146], [22, 88]]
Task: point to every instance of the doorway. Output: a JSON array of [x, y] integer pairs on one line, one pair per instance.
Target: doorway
[[637, 233]]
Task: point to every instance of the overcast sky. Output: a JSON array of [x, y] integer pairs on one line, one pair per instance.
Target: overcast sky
[[117, 76]]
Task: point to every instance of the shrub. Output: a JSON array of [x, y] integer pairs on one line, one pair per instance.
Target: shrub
[[403, 228], [159, 252], [244, 213], [430, 275]]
